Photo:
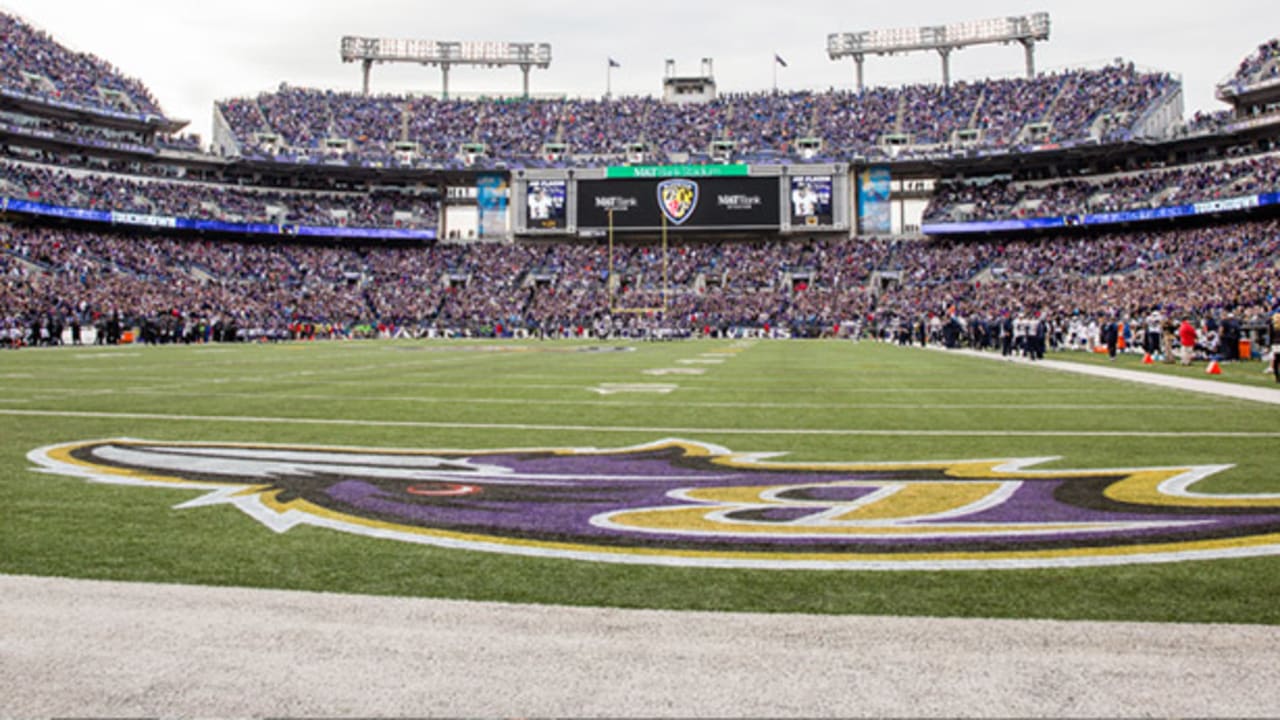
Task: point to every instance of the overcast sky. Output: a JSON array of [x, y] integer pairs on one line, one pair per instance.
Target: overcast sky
[[190, 53]]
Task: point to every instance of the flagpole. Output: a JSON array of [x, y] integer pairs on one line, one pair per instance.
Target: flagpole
[[775, 73]]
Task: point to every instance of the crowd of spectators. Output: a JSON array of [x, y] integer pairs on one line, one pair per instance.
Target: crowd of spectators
[[1208, 123], [33, 63], [805, 288], [1261, 66], [1003, 199], [181, 142], [301, 121], [207, 201]]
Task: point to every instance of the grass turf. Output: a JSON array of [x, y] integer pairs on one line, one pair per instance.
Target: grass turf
[[792, 397]]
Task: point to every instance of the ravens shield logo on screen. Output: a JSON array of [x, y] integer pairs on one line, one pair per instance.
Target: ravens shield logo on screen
[[678, 199]]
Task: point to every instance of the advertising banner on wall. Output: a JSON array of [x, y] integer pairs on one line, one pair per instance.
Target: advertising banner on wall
[[491, 196], [875, 215]]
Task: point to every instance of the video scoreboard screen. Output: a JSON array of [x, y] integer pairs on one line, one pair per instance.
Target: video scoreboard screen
[[690, 199], [729, 203], [545, 204], [811, 201]]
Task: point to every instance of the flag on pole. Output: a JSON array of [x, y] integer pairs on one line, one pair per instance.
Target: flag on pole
[[614, 63], [779, 60]]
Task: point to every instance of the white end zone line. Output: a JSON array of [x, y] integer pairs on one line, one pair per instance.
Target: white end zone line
[[1207, 387], [339, 422]]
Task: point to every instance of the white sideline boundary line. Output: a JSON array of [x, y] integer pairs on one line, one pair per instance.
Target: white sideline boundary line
[[836, 432], [1205, 387]]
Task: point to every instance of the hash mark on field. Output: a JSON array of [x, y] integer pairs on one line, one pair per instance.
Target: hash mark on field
[[701, 361], [646, 430], [631, 389], [675, 371]]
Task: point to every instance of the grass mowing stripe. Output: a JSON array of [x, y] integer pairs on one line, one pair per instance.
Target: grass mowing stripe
[[471, 399], [665, 431]]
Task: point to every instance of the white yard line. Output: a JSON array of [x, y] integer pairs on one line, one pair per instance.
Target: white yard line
[[663, 430], [33, 394]]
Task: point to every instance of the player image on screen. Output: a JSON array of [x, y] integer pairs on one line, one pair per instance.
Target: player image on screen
[[804, 200], [811, 201], [540, 204], [545, 205]]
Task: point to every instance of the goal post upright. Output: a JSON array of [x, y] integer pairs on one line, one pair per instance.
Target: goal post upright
[[666, 277], [666, 267], [610, 281]]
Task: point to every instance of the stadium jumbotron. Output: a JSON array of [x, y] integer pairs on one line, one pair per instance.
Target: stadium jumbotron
[[740, 397]]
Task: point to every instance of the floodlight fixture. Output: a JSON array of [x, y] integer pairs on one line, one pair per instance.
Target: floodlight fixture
[[1026, 30], [445, 55]]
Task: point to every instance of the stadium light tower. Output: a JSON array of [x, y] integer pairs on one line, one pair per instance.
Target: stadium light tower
[[368, 51], [943, 39]]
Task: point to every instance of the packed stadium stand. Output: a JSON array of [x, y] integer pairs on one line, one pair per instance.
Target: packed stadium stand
[[189, 199], [293, 124], [326, 214], [1260, 67], [722, 288], [1151, 188], [34, 64]]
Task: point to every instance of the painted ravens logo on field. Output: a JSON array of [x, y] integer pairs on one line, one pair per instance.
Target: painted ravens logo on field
[[678, 199], [676, 502]]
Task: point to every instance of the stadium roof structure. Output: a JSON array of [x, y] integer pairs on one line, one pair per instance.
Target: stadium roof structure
[[944, 39], [446, 54]]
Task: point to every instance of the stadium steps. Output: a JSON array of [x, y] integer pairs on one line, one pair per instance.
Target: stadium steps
[[116, 99], [482, 117], [406, 114], [1265, 71], [444, 300], [39, 83], [262, 117], [1097, 200], [1067, 87], [331, 127], [370, 303], [977, 110], [201, 273], [1244, 185], [29, 264], [1024, 207], [900, 116], [644, 123], [1162, 198], [562, 123]]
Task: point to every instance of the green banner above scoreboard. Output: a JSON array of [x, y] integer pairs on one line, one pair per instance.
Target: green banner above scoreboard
[[647, 172]]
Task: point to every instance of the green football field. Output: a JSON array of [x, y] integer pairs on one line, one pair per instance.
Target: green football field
[[815, 403]]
